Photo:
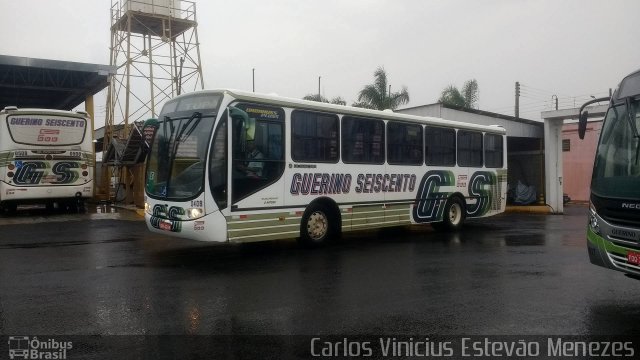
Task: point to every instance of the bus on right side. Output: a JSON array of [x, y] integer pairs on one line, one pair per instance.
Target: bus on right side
[[613, 233]]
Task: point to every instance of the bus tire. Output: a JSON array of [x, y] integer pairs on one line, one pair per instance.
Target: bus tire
[[453, 216], [317, 226]]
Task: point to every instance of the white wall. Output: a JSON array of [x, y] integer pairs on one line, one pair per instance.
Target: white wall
[[553, 164], [513, 127]]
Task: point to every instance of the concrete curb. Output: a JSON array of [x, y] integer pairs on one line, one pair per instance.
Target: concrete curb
[[529, 209]]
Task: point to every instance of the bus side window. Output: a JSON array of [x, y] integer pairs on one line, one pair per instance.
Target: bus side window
[[362, 140], [258, 158]]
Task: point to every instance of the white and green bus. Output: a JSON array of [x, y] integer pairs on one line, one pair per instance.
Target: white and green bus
[[613, 234], [240, 167], [46, 156]]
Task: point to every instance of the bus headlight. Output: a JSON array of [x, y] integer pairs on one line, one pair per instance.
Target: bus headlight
[[593, 220], [195, 213], [147, 208]]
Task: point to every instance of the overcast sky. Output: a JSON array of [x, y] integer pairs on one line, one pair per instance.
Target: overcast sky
[[572, 48]]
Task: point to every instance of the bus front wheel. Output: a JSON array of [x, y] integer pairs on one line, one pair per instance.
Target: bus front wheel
[[317, 226]]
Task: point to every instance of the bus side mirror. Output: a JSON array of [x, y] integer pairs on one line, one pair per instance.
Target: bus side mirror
[[250, 128], [582, 124], [247, 125]]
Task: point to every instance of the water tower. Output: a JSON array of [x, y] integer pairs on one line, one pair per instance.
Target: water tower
[[155, 49]]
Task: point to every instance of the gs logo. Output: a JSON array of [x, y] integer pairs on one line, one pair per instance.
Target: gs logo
[[430, 200], [32, 172]]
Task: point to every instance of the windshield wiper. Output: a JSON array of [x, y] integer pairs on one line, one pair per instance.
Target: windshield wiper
[[632, 123], [197, 117], [178, 139], [165, 120], [631, 118]]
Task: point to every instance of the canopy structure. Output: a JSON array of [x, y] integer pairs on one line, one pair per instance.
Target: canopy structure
[[51, 84]]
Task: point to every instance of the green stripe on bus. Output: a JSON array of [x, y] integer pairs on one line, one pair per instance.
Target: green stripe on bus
[[239, 224], [262, 216], [367, 208], [262, 231], [263, 237]]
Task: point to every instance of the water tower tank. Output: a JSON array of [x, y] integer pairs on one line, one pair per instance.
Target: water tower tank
[[155, 7]]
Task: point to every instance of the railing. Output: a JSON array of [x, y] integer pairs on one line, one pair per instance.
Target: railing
[[180, 9]]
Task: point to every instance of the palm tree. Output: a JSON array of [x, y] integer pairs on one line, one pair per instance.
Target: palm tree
[[467, 98], [379, 96], [470, 92]]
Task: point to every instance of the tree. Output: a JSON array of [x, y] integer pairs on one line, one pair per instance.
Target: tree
[[467, 98], [363, 105], [378, 95], [338, 101], [470, 93], [319, 98], [316, 97]]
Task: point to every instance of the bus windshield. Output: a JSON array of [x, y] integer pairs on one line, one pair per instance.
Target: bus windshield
[[617, 167], [175, 167]]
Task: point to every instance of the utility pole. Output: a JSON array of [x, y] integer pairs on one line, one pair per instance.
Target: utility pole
[[319, 96], [517, 99], [253, 79], [556, 98]]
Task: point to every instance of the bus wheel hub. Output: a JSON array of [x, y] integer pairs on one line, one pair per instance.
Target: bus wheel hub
[[317, 225]]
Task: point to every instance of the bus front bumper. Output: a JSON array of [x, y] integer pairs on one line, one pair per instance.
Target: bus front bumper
[[211, 227], [27, 193], [611, 254]]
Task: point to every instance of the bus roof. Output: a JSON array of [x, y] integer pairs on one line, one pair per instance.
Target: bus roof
[[35, 111], [347, 110], [628, 87]]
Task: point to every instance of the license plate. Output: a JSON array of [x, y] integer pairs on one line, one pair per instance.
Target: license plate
[[165, 226], [633, 258], [49, 179]]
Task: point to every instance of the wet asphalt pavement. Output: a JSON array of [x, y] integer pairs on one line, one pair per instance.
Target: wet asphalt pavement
[[105, 274]]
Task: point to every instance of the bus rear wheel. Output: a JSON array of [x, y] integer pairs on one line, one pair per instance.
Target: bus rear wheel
[[453, 216], [317, 226]]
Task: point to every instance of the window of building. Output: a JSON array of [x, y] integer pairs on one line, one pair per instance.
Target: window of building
[[314, 137], [566, 144], [440, 146], [493, 151], [362, 140], [404, 144], [469, 148]]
